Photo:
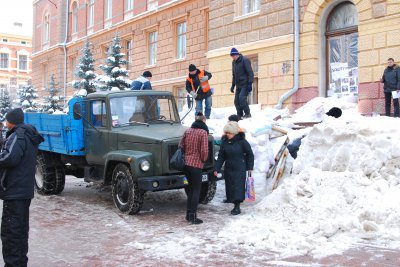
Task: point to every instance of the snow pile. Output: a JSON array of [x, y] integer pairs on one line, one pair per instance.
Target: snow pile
[[345, 189]]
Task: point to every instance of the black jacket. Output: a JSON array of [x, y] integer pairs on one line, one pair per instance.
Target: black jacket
[[391, 79], [242, 73], [239, 158], [18, 162], [196, 83]]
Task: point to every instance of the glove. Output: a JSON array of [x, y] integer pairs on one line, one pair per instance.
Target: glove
[[204, 79], [232, 89], [193, 94], [249, 87]]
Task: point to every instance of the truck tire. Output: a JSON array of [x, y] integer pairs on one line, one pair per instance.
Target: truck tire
[[45, 177], [127, 196], [60, 179], [207, 192]]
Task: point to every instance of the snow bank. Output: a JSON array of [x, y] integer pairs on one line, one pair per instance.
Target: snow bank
[[345, 189]]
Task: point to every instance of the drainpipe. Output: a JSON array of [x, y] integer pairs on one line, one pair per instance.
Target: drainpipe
[[65, 53], [296, 56]]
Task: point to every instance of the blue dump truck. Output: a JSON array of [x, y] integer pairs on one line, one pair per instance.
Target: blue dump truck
[[122, 139]]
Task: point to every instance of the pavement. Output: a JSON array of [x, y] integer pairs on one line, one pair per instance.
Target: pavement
[[82, 227]]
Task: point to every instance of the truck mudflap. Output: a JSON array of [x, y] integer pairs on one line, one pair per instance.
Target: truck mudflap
[[160, 183]]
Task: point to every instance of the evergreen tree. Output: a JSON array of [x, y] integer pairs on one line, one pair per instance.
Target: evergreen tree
[[5, 103], [53, 101], [114, 72], [85, 71], [26, 98]]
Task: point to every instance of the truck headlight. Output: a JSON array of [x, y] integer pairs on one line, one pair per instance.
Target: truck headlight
[[145, 165], [216, 155]]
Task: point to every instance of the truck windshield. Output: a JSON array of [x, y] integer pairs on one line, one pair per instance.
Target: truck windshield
[[146, 109]]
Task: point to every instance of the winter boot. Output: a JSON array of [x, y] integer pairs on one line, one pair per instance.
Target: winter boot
[[246, 116], [236, 209], [187, 215], [193, 219]]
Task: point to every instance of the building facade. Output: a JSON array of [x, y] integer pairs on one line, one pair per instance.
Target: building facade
[[343, 48], [15, 62], [163, 37]]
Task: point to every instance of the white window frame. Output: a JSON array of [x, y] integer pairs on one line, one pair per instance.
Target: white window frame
[[181, 39], [74, 17], [152, 4], [128, 5], [250, 6], [90, 15], [1, 60], [108, 9], [152, 45], [46, 28], [129, 44]]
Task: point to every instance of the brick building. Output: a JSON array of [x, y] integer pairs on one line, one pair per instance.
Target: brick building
[[15, 61], [162, 36], [343, 48]]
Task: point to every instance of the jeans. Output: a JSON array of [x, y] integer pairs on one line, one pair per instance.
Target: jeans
[[241, 101], [388, 103], [14, 232], [207, 110], [194, 178]]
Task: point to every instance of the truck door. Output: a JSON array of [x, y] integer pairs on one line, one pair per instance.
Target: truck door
[[96, 134]]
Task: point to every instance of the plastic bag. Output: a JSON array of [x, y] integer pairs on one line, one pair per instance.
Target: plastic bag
[[177, 160], [250, 195]]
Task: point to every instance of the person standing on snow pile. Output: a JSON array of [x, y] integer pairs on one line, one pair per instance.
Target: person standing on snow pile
[[238, 157], [143, 82], [194, 144], [242, 78], [391, 83], [198, 87], [17, 170]]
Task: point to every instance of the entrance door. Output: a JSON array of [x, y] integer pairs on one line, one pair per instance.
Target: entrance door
[[342, 51], [96, 134]]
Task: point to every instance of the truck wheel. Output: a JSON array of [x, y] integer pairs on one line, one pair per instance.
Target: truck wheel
[[127, 196], [207, 192], [60, 179], [45, 178]]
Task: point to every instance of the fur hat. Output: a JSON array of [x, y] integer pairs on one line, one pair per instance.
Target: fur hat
[[334, 112], [192, 67], [15, 116], [147, 74], [234, 51], [231, 127]]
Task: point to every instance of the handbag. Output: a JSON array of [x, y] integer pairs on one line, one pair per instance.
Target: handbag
[[250, 194], [177, 160]]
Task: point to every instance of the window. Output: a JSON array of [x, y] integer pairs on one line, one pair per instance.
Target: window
[[98, 116], [128, 5], [23, 62], [181, 40], [4, 60], [74, 17], [181, 98], [46, 29], [18, 24], [128, 53], [23, 42], [73, 66], [5, 40], [152, 48], [342, 50], [13, 80], [91, 14], [108, 10], [152, 4], [250, 6]]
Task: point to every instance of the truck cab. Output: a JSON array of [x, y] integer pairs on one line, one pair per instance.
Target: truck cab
[[128, 138]]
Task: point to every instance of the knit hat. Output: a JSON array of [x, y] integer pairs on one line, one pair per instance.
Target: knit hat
[[192, 67], [199, 116], [147, 74], [234, 51], [231, 127], [15, 116], [334, 112], [233, 117]]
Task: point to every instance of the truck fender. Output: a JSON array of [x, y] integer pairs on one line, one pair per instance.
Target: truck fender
[[132, 158]]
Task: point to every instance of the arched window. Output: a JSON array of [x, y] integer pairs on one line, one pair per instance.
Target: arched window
[[342, 45], [46, 28], [74, 17]]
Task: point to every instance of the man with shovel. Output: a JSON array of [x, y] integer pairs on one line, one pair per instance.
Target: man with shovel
[[198, 87]]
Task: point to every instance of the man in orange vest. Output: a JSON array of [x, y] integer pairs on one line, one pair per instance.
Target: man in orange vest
[[197, 86]]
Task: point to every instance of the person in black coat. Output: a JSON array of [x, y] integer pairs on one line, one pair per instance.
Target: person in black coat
[[238, 157], [17, 172], [391, 82]]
